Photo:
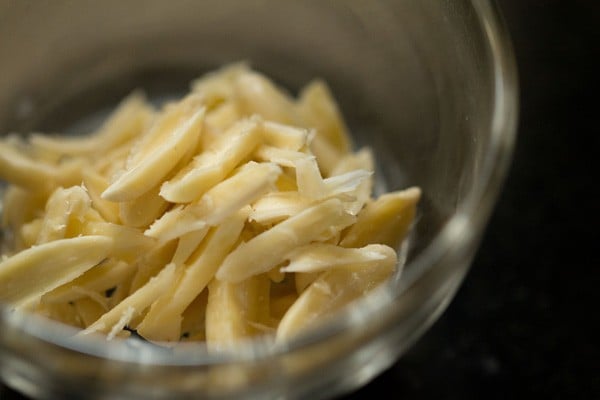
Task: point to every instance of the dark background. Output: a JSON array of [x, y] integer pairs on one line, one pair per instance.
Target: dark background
[[521, 325]]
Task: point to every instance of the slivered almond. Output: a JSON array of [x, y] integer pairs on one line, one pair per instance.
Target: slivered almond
[[269, 248], [160, 150], [39, 269], [214, 164]]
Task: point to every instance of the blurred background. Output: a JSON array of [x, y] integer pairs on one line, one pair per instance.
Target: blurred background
[[521, 325]]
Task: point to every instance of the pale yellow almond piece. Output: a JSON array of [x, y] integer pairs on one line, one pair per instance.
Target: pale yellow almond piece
[[214, 164], [246, 185], [217, 121], [24, 145], [64, 207], [194, 278], [332, 233], [283, 157], [159, 152], [113, 162], [95, 185], [226, 323], [309, 180], [333, 290], [258, 300], [193, 324], [286, 182], [218, 86], [135, 303], [38, 270], [286, 137], [70, 172], [102, 277], [235, 311], [361, 160], [312, 186], [220, 119], [149, 264], [21, 170], [350, 187], [319, 257], [277, 206], [90, 294], [346, 183], [19, 211], [78, 225], [88, 310], [20, 165], [20, 206], [129, 242], [328, 157], [174, 224], [318, 109], [128, 121], [269, 248], [187, 245], [29, 232], [117, 329], [64, 312], [257, 94], [121, 291], [386, 220], [143, 210], [194, 150]]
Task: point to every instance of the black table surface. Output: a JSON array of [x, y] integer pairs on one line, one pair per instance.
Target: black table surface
[[521, 326], [522, 323]]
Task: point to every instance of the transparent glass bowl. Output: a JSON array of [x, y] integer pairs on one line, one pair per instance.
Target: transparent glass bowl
[[430, 85]]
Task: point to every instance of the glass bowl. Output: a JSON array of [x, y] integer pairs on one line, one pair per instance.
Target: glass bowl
[[429, 85]]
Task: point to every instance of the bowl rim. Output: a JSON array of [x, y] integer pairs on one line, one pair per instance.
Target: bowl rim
[[470, 218]]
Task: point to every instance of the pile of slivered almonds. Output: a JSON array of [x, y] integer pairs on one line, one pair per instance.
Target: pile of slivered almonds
[[235, 211]]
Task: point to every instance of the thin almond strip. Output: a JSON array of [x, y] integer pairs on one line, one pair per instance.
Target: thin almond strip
[[102, 277], [333, 290], [39, 269], [283, 157], [277, 206], [134, 304], [214, 164], [156, 155], [285, 137], [318, 257], [269, 248], [386, 220], [235, 310], [245, 186], [61, 207], [163, 321], [143, 210], [19, 169], [126, 122]]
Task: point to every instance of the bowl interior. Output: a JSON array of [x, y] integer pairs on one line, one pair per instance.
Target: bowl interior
[[418, 81]]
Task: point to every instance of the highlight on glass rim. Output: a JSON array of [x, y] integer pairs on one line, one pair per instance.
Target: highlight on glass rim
[[235, 211]]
